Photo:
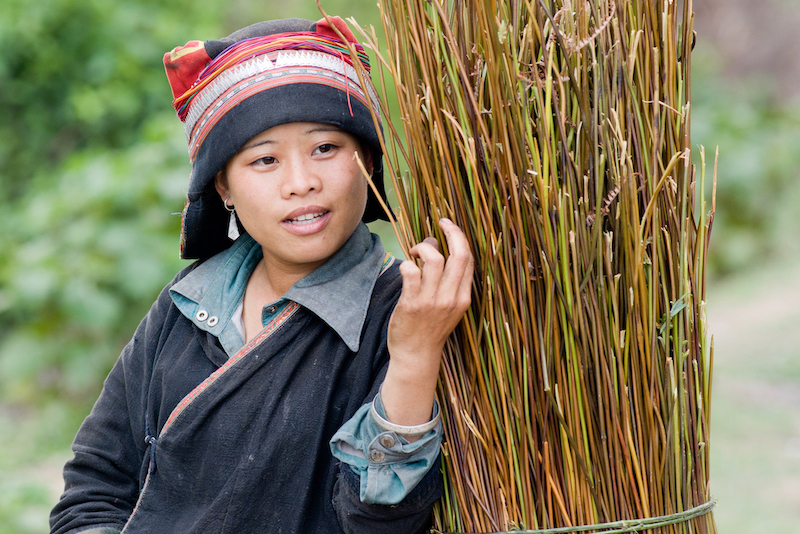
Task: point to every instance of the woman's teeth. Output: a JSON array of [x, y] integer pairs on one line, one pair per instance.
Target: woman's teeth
[[305, 219]]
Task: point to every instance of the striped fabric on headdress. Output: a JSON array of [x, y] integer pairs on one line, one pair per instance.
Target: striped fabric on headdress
[[249, 49]]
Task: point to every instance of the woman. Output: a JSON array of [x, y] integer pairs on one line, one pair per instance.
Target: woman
[[284, 382]]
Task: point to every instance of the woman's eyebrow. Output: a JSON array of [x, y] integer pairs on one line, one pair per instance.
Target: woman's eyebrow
[[323, 128], [258, 143]]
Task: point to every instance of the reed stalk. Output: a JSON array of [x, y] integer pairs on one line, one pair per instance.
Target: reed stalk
[[556, 133]]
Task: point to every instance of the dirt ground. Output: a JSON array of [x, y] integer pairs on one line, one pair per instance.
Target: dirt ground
[[755, 445]]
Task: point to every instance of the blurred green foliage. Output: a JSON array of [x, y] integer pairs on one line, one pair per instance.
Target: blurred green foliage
[[758, 188], [91, 167], [87, 253], [24, 507], [77, 74]]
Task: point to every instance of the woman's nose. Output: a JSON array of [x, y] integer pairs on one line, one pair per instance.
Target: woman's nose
[[300, 179]]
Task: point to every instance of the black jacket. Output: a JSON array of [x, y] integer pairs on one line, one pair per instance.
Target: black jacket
[[185, 440]]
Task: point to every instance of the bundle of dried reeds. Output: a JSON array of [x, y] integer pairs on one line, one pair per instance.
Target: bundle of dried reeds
[[556, 134]]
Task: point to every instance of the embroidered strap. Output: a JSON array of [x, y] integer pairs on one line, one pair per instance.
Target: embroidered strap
[[388, 260], [282, 317]]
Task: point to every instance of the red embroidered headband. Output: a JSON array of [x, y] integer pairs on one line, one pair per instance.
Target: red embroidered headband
[[261, 63]]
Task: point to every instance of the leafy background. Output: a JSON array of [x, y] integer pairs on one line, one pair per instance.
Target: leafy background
[[93, 170]]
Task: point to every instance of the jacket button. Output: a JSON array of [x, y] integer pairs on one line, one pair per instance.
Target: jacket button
[[376, 456], [387, 441], [213, 320], [272, 309], [202, 315]]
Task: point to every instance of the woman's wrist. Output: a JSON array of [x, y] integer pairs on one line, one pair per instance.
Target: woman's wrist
[[408, 402], [415, 365], [409, 386]]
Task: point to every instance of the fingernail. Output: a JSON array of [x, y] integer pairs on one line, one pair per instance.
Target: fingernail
[[445, 219]]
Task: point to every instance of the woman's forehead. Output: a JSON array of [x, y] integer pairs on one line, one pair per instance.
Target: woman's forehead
[[292, 131]]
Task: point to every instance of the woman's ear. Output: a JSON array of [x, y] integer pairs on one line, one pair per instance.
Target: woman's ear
[[368, 158], [221, 185], [369, 164]]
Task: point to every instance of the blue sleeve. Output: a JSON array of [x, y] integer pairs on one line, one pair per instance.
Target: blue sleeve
[[388, 466]]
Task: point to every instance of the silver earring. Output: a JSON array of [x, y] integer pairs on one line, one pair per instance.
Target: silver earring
[[233, 228]]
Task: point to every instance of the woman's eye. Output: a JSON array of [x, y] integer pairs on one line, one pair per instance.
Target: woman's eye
[[266, 160], [325, 148]]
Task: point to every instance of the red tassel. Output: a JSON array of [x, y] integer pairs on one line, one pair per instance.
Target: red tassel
[[325, 29]]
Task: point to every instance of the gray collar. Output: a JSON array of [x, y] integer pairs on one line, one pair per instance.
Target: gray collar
[[338, 291]]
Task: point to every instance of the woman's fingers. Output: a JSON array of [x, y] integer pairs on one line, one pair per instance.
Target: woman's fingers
[[457, 277], [412, 279], [446, 283], [419, 249], [433, 264]]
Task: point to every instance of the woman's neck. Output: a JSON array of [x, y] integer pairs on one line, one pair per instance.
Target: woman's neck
[[267, 283]]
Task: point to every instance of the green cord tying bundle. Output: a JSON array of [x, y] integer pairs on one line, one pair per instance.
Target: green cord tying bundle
[[620, 527]]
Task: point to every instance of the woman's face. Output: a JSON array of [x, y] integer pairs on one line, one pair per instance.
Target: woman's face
[[298, 191]]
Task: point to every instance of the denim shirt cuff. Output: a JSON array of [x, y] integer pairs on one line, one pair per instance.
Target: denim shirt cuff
[[389, 467]]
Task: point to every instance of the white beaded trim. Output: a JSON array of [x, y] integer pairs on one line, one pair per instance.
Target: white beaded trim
[[262, 64], [222, 83]]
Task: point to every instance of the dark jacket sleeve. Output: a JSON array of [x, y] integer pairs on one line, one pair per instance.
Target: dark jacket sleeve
[[103, 479], [413, 514]]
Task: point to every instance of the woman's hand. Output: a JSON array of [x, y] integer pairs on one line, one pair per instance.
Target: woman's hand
[[433, 300]]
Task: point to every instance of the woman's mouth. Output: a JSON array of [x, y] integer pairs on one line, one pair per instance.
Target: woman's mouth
[[308, 218], [306, 221]]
